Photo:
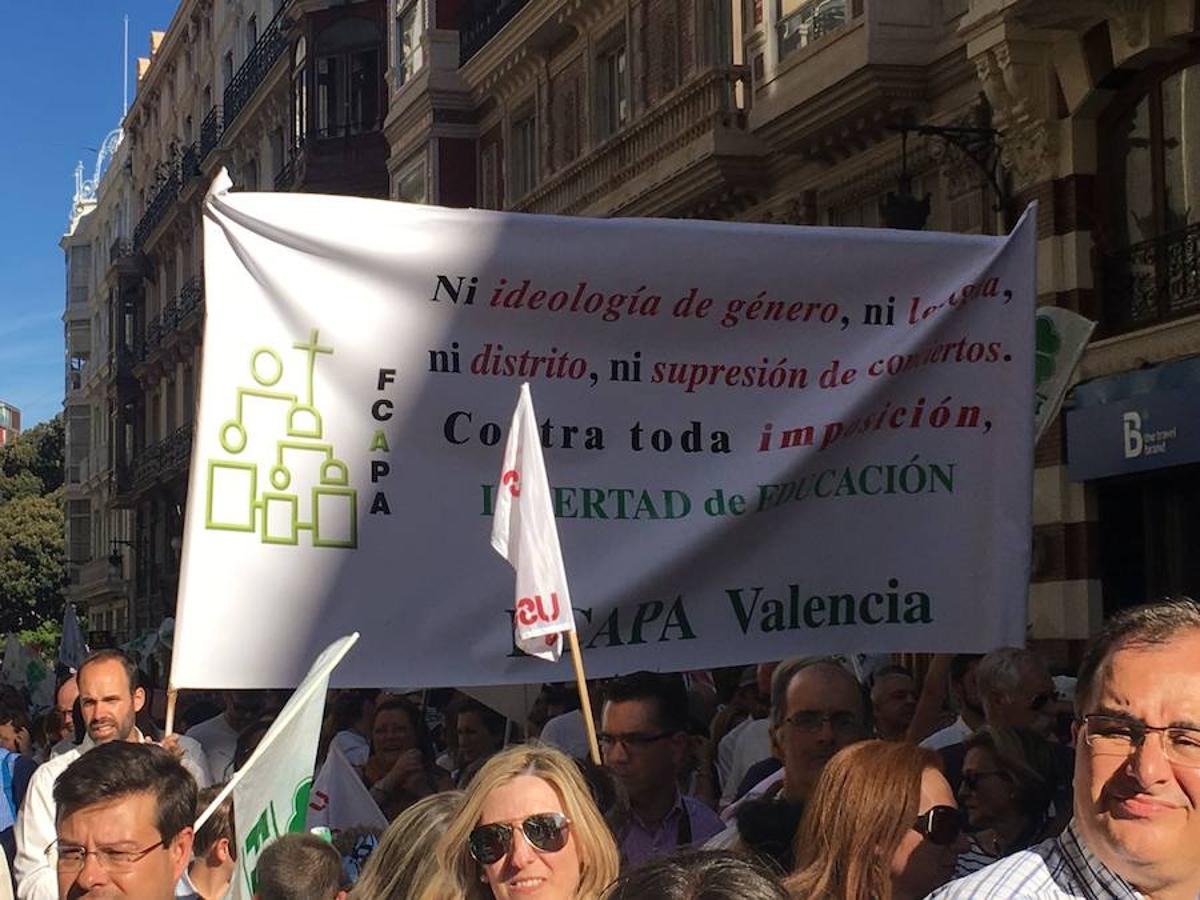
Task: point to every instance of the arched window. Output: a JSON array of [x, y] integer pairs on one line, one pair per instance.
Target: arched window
[[1150, 172]]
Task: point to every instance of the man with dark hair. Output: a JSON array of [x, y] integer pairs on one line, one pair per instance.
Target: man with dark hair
[[1136, 829], [109, 700], [15, 733], [65, 696], [965, 693], [218, 735], [893, 702], [124, 823], [699, 875], [299, 867], [214, 851], [644, 741]]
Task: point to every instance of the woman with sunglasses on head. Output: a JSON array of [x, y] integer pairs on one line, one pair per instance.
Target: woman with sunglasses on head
[[1011, 792], [881, 824], [528, 828]]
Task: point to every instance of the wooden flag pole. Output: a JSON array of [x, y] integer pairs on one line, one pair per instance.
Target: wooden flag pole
[[172, 696], [585, 701]]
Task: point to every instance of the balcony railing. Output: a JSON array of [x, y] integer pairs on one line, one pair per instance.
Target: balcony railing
[[166, 192], [694, 109], [211, 130], [191, 298], [1153, 281], [189, 162], [250, 74], [486, 22], [810, 22], [163, 461]]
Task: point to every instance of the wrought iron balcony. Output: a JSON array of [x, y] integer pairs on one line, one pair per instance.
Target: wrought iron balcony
[[191, 299], [163, 461], [211, 130], [250, 74], [811, 21], [1153, 281], [485, 23], [166, 192]]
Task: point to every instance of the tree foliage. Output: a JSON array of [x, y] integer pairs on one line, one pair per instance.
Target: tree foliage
[[32, 530]]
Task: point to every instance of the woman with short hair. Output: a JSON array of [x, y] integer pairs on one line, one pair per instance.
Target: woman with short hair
[[528, 823], [1010, 781], [881, 824], [400, 770]]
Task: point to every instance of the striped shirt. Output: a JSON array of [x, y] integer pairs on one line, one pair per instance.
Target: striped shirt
[[1062, 868]]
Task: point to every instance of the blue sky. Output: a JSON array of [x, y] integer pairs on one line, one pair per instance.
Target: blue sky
[[62, 95]]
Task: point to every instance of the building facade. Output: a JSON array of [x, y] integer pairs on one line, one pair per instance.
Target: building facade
[[10, 422], [97, 532], [951, 114], [946, 114]]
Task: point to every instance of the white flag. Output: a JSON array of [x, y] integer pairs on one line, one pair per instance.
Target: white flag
[[524, 532], [270, 792], [73, 648], [339, 799], [1060, 340]]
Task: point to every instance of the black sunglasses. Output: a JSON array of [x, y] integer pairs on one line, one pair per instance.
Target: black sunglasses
[[544, 831], [941, 825]]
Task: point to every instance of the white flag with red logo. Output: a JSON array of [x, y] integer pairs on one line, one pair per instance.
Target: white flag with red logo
[[524, 533]]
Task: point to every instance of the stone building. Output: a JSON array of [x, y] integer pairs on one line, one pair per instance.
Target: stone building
[[98, 534], [952, 114], [947, 114]]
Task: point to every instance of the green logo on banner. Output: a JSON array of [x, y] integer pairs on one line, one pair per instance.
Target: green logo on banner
[[308, 488], [266, 829]]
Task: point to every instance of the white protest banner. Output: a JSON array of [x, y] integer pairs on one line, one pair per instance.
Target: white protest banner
[[763, 439], [339, 799], [524, 532], [72, 648], [1061, 338], [271, 790]]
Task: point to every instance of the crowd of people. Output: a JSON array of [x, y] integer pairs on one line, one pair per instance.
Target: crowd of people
[[986, 777]]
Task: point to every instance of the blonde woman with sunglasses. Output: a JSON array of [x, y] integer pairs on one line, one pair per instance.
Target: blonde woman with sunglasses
[[528, 829]]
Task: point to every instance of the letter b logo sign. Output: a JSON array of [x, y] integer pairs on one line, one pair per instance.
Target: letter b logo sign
[[1133, 435]]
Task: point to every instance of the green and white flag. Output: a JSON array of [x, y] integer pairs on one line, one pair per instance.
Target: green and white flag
[[270, 792], [24, 668], [1061, 338]]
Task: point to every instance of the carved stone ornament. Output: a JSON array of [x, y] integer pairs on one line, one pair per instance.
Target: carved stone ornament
[[1017, 88]]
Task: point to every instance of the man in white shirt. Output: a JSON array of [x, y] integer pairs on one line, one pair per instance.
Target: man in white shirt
[[966, 700], [219, 735], [109, 700]]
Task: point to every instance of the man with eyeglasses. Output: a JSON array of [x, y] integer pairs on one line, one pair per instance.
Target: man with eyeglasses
[[1136, 828], [817, 708], [644, 741], [109, 701], [124, 825]]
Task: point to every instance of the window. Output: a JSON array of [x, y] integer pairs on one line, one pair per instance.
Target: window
[[348, 78], [524, 154], [1150, 168], [299, 92], [409, 30], [251, 33], [612, 103], [227, 68], [491, 189]]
